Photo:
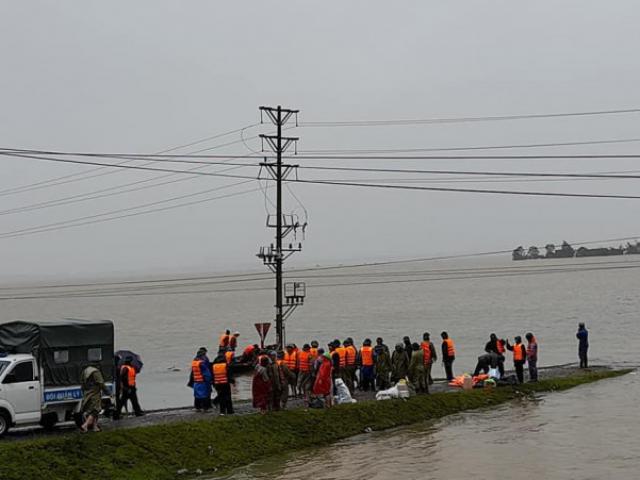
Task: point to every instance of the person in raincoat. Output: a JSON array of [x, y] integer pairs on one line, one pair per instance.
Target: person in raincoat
[[382, 365], [417, 375], [200, 380], [261, 386], [399, 363], [93, 386], [323, 386]]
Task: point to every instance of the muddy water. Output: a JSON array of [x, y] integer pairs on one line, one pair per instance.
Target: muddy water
[[167, 330], [590, 432]]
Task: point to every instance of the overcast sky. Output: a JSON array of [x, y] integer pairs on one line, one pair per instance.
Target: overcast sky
[[149, 75]]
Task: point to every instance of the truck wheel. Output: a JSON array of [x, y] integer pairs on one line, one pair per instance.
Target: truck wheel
[[49, 420], [5, 423]]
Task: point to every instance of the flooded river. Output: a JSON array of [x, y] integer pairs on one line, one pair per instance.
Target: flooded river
[[589, 432]]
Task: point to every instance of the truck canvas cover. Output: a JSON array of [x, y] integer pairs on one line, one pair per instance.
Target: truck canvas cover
[[62, 347]]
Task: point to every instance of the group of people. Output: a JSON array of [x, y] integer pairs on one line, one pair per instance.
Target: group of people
[[494, 356], [311, 372]]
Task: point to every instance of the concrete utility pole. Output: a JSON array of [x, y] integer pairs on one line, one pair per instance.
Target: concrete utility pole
[[275, 255]]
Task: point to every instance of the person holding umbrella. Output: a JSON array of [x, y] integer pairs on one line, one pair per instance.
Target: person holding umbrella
[[128, 390]]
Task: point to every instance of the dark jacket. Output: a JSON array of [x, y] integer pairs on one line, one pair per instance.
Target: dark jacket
[[583, 339]]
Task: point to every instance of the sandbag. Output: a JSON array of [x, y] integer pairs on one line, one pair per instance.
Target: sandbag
[[342, 393]]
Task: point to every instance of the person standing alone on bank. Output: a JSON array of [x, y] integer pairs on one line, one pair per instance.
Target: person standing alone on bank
[[583, 344], [448, 355]]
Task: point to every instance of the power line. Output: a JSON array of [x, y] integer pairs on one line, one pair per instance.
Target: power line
[[469, 172], [444, 120], [71, 223], [469, 190], [480, 147], [385, 186], [65, 179]]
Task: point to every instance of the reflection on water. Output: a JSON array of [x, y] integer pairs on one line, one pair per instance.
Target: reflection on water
[[589, 432]]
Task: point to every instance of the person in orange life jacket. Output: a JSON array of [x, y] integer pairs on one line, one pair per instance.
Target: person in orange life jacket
[[314, 349], [532, 356], [519, 357], [305, 361], [222, 381], [291, 360], [224, 339], [448, 355], [367, 370], [229, 355], [349, 371], [250, 354], [128, 390], [233, 341], [200, 380], [430, 355], [497, 346]]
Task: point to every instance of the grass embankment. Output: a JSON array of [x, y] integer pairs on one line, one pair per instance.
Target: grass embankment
[[210, 445]]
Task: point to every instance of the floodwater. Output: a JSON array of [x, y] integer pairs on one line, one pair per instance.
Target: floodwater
[[589, 432]]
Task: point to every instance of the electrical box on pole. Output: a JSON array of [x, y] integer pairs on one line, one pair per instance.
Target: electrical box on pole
[[289, 296]]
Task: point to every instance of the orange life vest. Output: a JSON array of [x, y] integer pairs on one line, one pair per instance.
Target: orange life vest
[[291, 360], [220, 373], [197, 373], [314, 352], [304, 361], [224, 340], [501, 348], [228, 357], [366, 354], [342, 353], [350, 354], [131, 375], [426, 348], [451, 351], [532, 350], [518, 356]]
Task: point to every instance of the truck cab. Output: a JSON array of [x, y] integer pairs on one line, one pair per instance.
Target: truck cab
[[41, 365], [20, 391]]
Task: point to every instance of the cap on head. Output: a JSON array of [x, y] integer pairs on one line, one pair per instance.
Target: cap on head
[[367, 342], [236, 334], [379, 340], [493, 336], [518, 339], [444, 335], [426, 336], [314, 344]]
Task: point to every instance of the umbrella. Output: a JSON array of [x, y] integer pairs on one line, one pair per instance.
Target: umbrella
[[136, 361]]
